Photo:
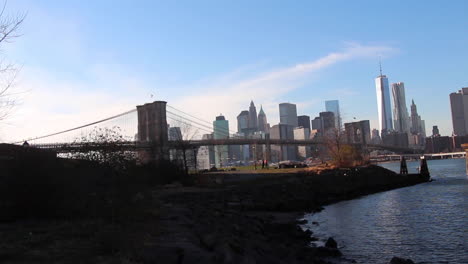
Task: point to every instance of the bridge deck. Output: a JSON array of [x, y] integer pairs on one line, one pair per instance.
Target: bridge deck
[[136, 145]]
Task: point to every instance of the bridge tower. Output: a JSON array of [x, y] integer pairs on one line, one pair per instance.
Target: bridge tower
[[152, 129]]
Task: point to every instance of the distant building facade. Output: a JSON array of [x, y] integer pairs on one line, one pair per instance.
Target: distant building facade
[[175, 134], [288, 114], [317, 124], [383, 104], [328, 120], [302, 133], [459, 107], [395, 139], [375, 137], [253, 123], [400, 112], [303, 121], [221, 131], [435, 131], [334, 106], [262, 121], [282, 152], [243, 122], [418, 127], [323, 123], [206, 155]]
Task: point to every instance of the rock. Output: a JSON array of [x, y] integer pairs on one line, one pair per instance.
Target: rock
[[328, 252], [331, 243], [160, 255], [208, 241], [397, 260], [302, 222]]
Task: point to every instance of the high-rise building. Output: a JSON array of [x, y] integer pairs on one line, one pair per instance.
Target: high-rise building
[[396, 139], [400, 112], [174, 134], [415, 119], [323, 123], [288, 114], [282, 152], [435, 131], [221, 131], [423, 128], [317, 124], [328, 120], [334, 106], [243, 122], [205, 155], [418, 127], [302, 133], [303, 121], [253, 124], [383, 104], [262, 121], [375, 137], [459, 107]]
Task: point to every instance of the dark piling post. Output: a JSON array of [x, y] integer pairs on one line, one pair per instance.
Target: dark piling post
[[423, 169], [403, 166]]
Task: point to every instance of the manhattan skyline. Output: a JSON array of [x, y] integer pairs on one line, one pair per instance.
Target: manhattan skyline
[[76, 69]]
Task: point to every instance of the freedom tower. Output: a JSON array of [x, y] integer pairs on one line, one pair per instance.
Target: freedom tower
[[383, 103]]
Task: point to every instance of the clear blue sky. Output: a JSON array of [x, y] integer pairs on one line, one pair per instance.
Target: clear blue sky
[[87, 59]]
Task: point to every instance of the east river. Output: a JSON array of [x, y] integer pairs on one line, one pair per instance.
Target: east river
[[427, 223]]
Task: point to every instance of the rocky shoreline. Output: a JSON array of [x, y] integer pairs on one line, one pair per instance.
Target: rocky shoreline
[[224, 218], [256, 221]]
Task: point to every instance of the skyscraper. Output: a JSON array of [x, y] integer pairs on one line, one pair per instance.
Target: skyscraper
[[288, 114], [459, 107], [221, 131], [334, 106], [383, 103], [435, 131], [253, 124], [400, 112], [317, 123], [303, 121], [282, 152], [328, 120], [243, 122], [262, 121], [415, 119]]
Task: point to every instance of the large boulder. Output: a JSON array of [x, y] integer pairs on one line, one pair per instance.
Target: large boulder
[[331, 243], [397, 260]]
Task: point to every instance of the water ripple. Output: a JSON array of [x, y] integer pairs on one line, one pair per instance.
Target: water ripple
[[427, 222]]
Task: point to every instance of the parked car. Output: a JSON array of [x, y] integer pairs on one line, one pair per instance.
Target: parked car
[[291, 164]]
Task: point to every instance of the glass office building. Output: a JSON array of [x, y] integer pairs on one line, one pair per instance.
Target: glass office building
[[383, 104], [334, 106]]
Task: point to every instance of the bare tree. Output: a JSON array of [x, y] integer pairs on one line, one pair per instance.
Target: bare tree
[[341, 153], [103, 145], [9, 27], [181, 134]]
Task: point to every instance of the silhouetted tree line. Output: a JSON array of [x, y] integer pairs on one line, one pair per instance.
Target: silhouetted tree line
[[100, 183]]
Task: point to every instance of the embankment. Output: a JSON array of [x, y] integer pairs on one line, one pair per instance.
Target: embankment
[[254, 221], [65, 211]]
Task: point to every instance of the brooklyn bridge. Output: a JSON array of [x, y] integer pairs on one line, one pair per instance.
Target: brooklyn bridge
[[145, 129]]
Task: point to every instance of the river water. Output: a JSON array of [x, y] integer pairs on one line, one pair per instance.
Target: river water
[[427, 223]]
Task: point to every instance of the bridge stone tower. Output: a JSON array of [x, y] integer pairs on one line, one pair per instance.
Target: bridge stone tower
[[152, 129]]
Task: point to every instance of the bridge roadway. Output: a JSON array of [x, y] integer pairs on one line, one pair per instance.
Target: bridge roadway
[[136, 145], [418, 156]]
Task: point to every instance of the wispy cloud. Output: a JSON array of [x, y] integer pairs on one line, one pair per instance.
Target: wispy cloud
[[232, 95], [59, 103]]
